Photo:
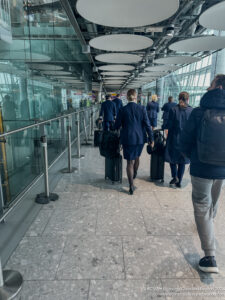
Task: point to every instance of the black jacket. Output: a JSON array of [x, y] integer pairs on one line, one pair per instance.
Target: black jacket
[[214, 99]]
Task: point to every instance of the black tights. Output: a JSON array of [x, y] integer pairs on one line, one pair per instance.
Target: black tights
[[132, 167]]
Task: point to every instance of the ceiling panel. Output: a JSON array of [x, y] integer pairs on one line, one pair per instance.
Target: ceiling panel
[[118, 58], [126, 13]]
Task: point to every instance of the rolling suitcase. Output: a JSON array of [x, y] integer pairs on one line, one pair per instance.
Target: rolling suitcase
[[157, 166], [97, 137], [157, 157], [114, 169]]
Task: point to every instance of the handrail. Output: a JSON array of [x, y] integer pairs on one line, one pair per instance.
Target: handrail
[[19, 198], [43, 122]]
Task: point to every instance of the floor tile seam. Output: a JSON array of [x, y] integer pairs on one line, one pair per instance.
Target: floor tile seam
[[158, 200], [46, 223], [89, 288], [124, 265], [60, 260], [182, 252], [145, 225]]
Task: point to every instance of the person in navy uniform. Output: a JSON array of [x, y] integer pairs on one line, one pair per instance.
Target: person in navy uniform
[[178, 117], [118, 102], [135, 124], [108, 113], [152, 110], [166, 108]]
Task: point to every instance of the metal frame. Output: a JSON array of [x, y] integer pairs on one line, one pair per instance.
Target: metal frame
[[77, 113]]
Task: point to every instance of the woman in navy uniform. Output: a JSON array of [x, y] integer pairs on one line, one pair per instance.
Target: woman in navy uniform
[[166, 108], [108, 113], [178, 117], [134, 121], [152, 110]]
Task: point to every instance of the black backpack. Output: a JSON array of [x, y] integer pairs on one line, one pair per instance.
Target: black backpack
[[211, 137], [110, 144]]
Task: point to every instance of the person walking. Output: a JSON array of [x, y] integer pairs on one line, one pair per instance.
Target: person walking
[[152, 110], [166, 108], [135, 124], [178, 117], [203, 141], [118, 103], [107, 113]]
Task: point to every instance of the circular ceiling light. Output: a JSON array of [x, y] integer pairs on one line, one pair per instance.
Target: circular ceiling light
[[24, 56], [152, 74], [121, 42], [213, 18], [177, 60], [116, 68], [56, 73], [114, 82], [115, 73], [45, 67], [118, 58], [115, 78], [196, 44], [126, 13], [161, 68]]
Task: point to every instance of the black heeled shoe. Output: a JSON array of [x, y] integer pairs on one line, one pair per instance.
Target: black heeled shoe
[[132, 189]]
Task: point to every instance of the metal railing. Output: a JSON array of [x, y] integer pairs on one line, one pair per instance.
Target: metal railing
[[80, 121]]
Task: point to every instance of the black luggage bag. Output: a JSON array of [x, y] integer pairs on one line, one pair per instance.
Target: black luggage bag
[[97, 137], [157, 157], [114, 169], [110, 144]]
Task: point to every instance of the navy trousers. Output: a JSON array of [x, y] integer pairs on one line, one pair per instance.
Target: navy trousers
[[107, 125], [177, 171]]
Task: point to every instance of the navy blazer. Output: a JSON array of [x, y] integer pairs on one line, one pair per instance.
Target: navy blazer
[[135, 124], [108, 111], [119, 104], [166, 108], [152, 109]]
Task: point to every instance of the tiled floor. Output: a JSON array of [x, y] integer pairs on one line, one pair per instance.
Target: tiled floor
[[98, 242]]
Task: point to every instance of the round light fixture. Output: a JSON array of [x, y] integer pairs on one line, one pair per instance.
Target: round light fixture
[[121, 42], [115, 73], [213, 18], [177, 60], [126, 13], [152, 74], [118, 58], [196, 44], [116, 68], [161, 68]]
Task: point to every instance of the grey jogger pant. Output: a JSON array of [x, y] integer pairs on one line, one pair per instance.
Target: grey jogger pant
[[205, 195]]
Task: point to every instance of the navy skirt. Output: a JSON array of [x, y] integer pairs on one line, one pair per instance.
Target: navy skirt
[[131, 152], [153, 122]]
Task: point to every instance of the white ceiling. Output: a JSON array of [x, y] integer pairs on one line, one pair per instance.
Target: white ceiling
[[126, 13], [118, 58], [214, 17], [196, 44], [161, 68], [121, 42], [152, 74]]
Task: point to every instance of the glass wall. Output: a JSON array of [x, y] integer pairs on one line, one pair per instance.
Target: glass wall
[[43, 74], [194, 78]]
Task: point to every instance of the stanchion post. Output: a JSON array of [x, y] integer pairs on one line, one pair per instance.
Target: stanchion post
[[70, 169], [45, 197], [10, 283], [85, 132], [93, 121], [79, 155]]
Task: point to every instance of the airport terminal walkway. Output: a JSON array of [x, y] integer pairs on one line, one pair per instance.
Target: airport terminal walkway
[[98, 242]]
